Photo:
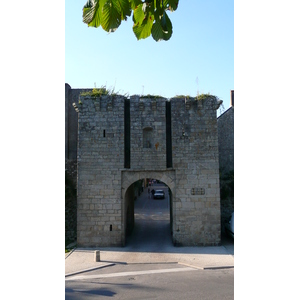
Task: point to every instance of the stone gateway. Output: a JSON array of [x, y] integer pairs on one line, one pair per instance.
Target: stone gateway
[[122, 141]]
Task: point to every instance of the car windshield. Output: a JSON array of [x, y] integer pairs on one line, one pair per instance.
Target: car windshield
[[159, 191]]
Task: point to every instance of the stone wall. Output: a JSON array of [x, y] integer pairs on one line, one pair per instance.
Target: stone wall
[[100, 159], [226, 160], [104, 178], [71, 121], [70, 208], [195, 159], [226, 140], [148, 133], [71, 140]]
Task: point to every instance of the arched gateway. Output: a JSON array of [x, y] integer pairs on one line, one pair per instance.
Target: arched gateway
[[122, 141], [131, 177]]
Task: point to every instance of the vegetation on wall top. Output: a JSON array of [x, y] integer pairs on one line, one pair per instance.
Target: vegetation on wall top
[[98, 92], [151, 96], [103, 91], [205, 96]]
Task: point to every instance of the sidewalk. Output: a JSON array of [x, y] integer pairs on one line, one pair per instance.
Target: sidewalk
[[82, 259], [156, 250]]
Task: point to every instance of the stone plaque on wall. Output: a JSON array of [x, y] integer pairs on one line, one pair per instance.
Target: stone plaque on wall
[[197, 191]]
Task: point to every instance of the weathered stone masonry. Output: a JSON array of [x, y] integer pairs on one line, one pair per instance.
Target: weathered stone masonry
[[175, 142], [226, 160], [226, 139]]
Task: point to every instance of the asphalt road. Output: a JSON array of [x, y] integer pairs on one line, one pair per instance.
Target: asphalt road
[[166, 282], [152, 223], [152, 231]]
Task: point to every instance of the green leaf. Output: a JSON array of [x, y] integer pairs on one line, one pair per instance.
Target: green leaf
[[138, 15], [134, 3], [170, 4], [160, 9], [92, 13], [110, 13], [164, 22], [162, 29], [111, 18], [89, 3], [124, 8], [143, 30], [157, 32], [113, 12], [107, 13]]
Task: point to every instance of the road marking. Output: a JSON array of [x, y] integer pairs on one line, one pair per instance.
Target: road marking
[[133, 273]]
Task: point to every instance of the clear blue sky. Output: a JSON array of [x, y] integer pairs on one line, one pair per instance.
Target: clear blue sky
[[199, 57]]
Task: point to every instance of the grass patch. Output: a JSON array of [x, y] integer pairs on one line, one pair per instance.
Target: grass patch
[[205, 96], [67, 243], [103, 91]]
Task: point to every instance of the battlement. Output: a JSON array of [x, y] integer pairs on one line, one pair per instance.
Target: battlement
[[152, 103]]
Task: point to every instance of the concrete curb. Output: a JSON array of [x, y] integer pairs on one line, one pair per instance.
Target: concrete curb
[[115, 263], [218, 267], [153, 263], [180, 263], [206, 268], [90, 269], [70, 253], [83, 260]]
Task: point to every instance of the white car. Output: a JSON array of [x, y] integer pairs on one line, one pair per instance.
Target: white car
[[159, 194], [230, 226]]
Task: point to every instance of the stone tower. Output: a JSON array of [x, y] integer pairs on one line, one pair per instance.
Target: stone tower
[[124, 140]]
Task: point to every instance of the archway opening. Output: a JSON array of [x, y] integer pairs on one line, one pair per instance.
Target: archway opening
[[148, 215]]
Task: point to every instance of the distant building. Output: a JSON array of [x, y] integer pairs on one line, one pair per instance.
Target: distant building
[[226, 161], [226, 138]]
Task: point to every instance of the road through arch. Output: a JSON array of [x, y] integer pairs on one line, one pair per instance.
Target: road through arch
[[129, 185]]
